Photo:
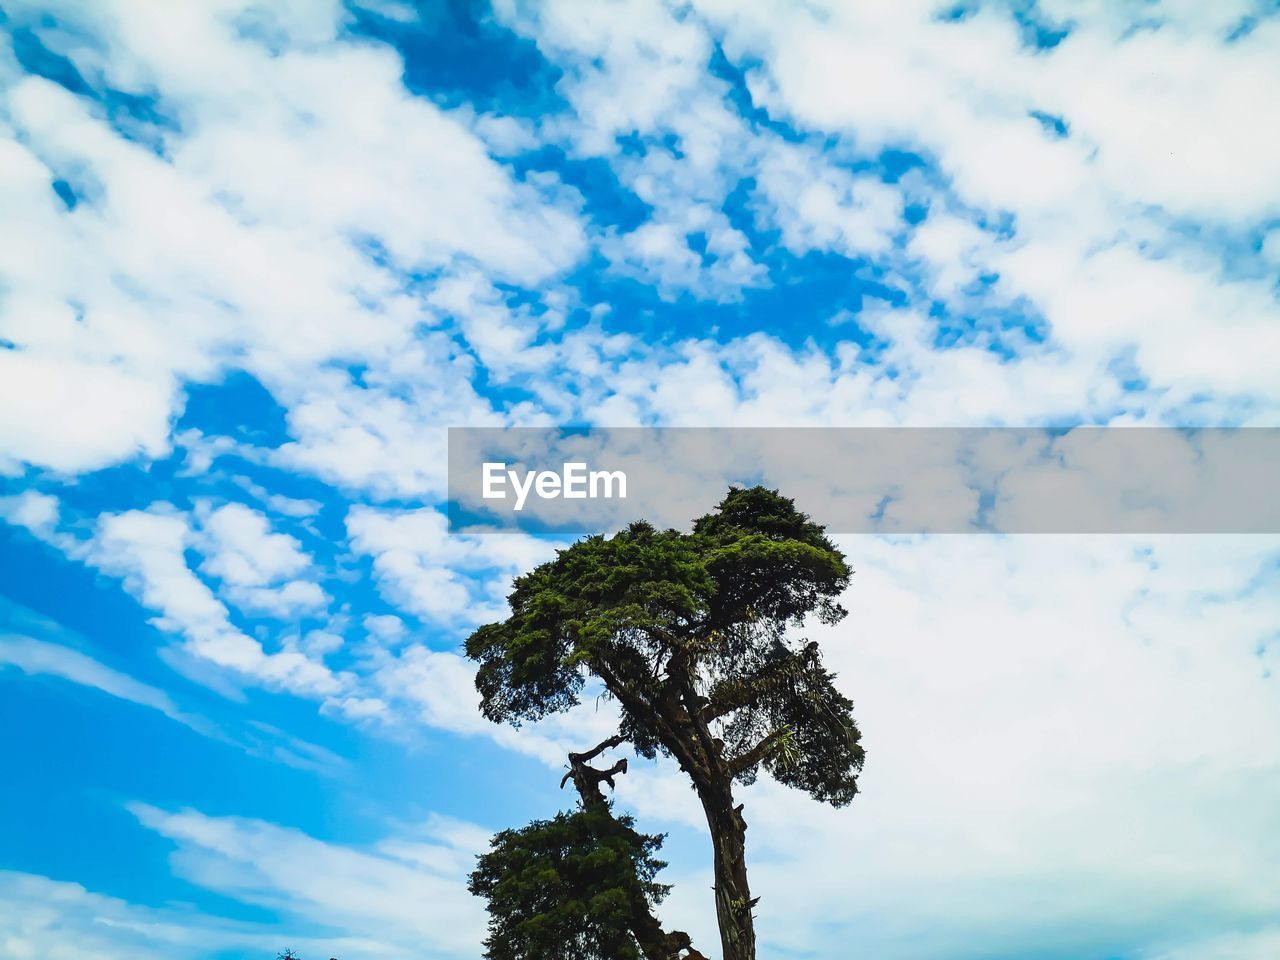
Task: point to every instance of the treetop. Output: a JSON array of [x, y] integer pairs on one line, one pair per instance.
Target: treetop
[[689, 631]]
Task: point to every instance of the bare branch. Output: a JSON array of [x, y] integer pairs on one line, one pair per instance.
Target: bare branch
[[595, 751], [657, 944]]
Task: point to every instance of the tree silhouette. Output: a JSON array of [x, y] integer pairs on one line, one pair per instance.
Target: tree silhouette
[[691, 633]]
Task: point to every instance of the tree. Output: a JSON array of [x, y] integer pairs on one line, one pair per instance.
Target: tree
[[579, 886], [691, 633]]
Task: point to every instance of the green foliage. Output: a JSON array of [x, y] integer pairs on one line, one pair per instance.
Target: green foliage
[[818, 749], [568, 888], [678, 624]]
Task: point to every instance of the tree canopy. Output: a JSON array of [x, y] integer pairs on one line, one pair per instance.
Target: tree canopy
[[579, 886], [568, 887], [655, 612]]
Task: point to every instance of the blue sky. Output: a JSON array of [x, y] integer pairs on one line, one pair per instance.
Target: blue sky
[[255, 258]]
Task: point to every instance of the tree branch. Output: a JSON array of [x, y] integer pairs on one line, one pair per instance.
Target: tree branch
[[682, 681], [759, 752], [639, 707], [595, 751]]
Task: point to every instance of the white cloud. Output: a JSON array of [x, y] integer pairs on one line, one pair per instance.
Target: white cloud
[[103, 414], [1257, 945], [242, 549], [37, 513], [823, 207], [1171, 110], [440, 685], [1091, 247], [39, 647], [332, 897], [1031, 208], [175, 267], [408, 896], [438, 576], [640, 71], [147, 550], [54, 920], [500, 334], [385, 435], [36, 657], [386, 627], [960, 91], [956, 248], [451, 582], [277, 503], [1069, 740], [257, 567]]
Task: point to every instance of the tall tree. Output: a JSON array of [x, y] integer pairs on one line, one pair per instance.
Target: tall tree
[[692, 634]]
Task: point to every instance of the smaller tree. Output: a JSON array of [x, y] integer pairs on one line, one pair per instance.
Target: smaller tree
[[579, 886]]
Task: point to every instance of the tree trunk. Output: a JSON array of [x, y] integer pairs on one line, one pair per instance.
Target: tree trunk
[[655, 943], [733, 895]]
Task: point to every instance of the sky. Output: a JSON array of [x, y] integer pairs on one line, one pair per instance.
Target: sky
[[256, 257]]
